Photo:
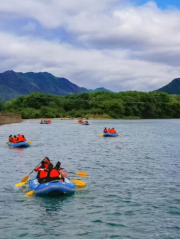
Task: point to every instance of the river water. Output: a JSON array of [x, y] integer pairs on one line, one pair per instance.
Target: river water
[[133, 183]]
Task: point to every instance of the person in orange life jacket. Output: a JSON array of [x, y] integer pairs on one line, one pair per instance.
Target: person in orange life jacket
[[105, 130], [109, 130], [14, 139], [113, 130], [55, 173], [20, 138], [24, 139], [42, 172], [10, 138]]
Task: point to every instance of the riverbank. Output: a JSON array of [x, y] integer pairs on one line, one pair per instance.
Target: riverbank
[[10, 118]]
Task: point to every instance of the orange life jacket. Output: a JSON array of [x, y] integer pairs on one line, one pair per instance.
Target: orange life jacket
[[20, 138], [23, 138], [109, 130], [15, 140]]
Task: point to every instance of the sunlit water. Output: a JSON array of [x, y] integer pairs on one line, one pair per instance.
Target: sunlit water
[[133, 183]]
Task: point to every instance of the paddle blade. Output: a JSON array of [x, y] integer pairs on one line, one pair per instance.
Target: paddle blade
[[119, 135], [79, 182], [82, 174], [30, 142], [101, 135], [25, 179], [30, 193], [7, 142], [20, 184]]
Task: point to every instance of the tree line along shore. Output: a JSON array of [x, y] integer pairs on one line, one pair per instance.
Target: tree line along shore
[[98, 105]]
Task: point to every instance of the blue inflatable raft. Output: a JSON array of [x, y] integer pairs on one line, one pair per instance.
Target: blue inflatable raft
[[19, 144], [110, 135], [56, 187], [45, 123], [85, 123]]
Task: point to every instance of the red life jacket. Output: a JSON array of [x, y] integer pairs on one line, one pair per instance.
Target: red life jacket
[[54, 173], [105, 130], [42, 173], [10, 139]]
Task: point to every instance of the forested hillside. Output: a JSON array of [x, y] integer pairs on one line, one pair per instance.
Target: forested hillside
[[129, 104]]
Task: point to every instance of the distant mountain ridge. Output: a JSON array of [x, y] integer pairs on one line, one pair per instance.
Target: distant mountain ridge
[[172, 88], [15, 84]]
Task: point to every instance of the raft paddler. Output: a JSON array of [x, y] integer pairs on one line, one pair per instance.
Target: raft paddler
[[42, 172]]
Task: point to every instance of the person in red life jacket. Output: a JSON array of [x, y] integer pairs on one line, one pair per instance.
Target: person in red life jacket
[[109, 130], [15, 139], [105, 130], [54, 174], [42, 173], [48, 163], [10, 138]]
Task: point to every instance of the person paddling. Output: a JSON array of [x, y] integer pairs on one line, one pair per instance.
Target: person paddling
[[42, 172]]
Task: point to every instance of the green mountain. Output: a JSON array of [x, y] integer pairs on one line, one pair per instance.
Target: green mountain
[[15, 84], [172, 88]]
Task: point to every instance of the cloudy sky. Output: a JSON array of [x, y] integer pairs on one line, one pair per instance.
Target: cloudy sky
[[117, 44]]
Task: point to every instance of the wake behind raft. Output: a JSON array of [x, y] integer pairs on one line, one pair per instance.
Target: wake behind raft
[[55, 187]]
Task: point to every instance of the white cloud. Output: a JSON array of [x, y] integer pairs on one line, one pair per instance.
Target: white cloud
[[119, 47]]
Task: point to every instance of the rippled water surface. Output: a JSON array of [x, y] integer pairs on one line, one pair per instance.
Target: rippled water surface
[[133, 183]]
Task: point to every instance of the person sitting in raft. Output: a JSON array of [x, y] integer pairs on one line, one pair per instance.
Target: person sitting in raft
[[105, 130], [10, 138], [42, 172], [23, 138], [109, 130], [41, 121], [57, 173], [63, 174], [86, 121], [15, 139], [48, 163], [113, 131]]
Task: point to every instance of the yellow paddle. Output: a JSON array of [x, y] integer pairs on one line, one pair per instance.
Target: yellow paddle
[[79, 182], [24, 180], [30, 193], [81, 174], [20, 184]]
